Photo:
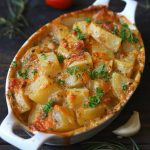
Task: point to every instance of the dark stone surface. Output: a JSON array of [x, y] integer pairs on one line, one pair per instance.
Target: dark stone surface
[[38, 14]]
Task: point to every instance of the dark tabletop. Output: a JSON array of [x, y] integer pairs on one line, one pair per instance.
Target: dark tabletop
[[38, 14]]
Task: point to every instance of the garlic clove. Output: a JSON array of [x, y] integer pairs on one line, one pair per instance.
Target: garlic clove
[[131, 127]]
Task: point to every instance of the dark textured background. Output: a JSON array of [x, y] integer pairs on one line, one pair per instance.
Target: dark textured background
[[38, 14]]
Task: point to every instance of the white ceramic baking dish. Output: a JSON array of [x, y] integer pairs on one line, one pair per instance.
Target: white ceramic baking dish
[[38, 138]]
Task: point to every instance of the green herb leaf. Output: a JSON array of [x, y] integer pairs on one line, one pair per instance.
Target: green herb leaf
[[23, 74], [80, 35], [139, 46], [24, 62], [88, 20], [14, 64], [115, 30], [15, 21], [61, 82], [48, 107], [99, 92], [126, 34], [43, 56], [3, 21], [99, 22], [93, 74], [11, 94], [35, 71], [72, 70], [60, 58], [102, 72], [95, 100], [85, 105], [124, 87]]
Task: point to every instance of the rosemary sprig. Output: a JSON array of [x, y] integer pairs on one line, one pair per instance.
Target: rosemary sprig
[[15, 21], [145, 5], [110, 145]]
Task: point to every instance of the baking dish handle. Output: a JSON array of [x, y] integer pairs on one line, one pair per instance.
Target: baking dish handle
[[101, 2], [7, 134], [129, 10]]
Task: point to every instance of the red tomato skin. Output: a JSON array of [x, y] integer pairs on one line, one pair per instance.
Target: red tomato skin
[[59, 4]]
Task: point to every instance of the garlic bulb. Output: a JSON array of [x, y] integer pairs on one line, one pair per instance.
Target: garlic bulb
[[131, 127]]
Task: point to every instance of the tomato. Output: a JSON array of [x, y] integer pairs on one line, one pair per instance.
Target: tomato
[[59, 4]]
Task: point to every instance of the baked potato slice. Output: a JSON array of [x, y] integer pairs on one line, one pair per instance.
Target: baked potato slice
[[125, 65], [60, 31], [120, 84], [82, 25], [84, 115], [110, 40], [63, 118], [23, 102], [94, 84], [76, 97], [68, 45], [35, 113], [72, 81], [63, 51], [99, 51], [49, 63], [40, 90], [83, 64]]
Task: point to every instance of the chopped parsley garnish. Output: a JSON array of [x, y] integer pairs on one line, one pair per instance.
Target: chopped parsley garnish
[[88, 20], [100, 72], [80, 35], [11, 94], [35, 71], [48, 107], [139, 46], [23, 74], [14, 64], [23, 62], [61, 82], [95, 100], [124, 87], [72, 70], [99, 22], [115, 30], [60, 58], [43, 56], [93, 74], [126, 34]]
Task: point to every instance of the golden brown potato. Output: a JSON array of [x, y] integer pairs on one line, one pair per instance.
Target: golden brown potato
[[63, 51], [23, 102], [110, 40], [100, 51], [60, 31], [35, 113], [83, 64], [82, 25], [120, 84], [64, 118], [76, 97], [125, 65], [84, 115], [40, 90], [49, 63], [72, 81]]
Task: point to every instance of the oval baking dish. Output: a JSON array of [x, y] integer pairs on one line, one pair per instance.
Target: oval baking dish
[[73, 76]]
